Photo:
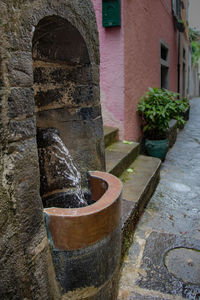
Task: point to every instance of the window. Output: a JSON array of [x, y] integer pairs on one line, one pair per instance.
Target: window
[[176, 8], [173, 6], [164, 52], [183, 53], [164, 65]]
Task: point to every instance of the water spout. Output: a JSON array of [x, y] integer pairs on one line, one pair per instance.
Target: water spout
[[59, 178]]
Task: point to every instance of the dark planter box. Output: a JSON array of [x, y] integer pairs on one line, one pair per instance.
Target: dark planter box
[[180, 26], [186, 114], [172, 132]]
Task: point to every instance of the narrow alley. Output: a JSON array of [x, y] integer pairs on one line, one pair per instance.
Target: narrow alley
[[85, 87], [163, 261]]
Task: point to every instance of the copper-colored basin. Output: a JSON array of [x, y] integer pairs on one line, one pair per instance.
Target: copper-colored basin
[[71, 229]]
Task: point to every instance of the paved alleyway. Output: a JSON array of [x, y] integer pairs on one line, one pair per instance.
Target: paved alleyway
[[164, 259]]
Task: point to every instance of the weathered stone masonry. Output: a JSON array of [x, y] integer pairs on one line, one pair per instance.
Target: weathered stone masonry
[[62, 97]]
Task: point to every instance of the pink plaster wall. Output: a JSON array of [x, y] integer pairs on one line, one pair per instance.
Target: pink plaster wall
[[145, 23], [111, 72]]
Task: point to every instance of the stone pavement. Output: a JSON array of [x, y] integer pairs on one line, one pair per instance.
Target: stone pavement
[[164, 259]]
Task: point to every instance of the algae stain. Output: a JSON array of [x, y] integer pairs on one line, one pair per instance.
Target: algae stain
[[196, 140], [125, 177], [126, 174]]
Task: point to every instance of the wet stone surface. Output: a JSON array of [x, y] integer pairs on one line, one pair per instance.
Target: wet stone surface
[[160, 275], [187, 267], [164, 259]]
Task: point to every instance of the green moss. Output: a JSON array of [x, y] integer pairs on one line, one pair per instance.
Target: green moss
[[197, 250], [126, 175], [125, 247], [196, 140]]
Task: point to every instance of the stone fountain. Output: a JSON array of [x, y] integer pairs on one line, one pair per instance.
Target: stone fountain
[[50, 115]]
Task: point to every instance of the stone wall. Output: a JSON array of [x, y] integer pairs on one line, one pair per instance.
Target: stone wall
[[66, 93], [26, 270]]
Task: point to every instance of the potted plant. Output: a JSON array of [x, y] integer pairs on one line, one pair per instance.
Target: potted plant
[[156, 108]]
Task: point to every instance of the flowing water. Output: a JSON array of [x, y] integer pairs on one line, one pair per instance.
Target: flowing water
[[57, 169], [70, 173]]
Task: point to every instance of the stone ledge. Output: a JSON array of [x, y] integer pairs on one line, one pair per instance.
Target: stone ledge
[[138, 189], [119, 156]]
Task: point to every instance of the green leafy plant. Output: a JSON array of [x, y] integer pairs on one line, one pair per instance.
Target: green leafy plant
[[195, 44], [156, 108], [177, 107], [181, 22]]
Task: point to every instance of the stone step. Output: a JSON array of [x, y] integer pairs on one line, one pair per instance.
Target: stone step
[[139, 184], [139, 174], [119, 156], [111, 135]]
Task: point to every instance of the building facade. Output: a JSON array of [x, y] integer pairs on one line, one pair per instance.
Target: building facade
[[148, 49]]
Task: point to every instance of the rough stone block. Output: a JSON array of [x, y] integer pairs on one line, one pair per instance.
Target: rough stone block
[[50, 97], [21, 103], [67, 95], [20, 72], [95, 74], [60, 73], [20, 37], [71, 266], [85, 144], [20, 130], [82, 94], [22, 174], [50, 118], [89, 113]]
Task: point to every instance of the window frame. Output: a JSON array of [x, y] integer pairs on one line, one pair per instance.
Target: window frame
[[164, 63]]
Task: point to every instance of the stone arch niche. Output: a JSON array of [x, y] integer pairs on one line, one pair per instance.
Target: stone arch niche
[[26, 265], [65, 101]]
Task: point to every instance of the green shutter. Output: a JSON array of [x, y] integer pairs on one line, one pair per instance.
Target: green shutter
[[111, 13]]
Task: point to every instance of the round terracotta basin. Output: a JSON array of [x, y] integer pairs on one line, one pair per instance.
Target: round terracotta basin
[[79, 227], [86, 242]]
